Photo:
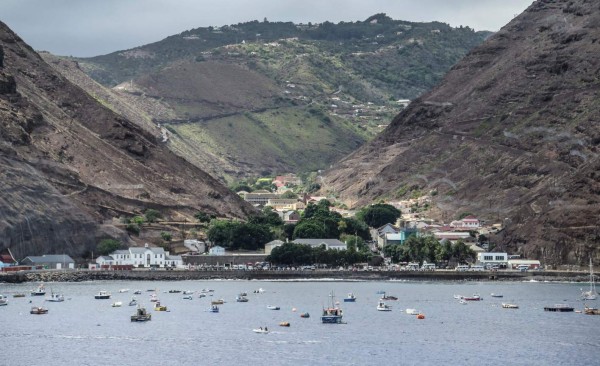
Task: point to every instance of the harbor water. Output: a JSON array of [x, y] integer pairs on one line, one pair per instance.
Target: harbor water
[[85, 331]]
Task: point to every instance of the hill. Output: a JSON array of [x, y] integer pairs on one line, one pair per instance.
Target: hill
[[70, 165], [326, 86], [511, 133]]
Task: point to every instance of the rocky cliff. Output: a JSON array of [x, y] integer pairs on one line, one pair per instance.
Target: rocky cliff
[[511, 134], [69, 164]]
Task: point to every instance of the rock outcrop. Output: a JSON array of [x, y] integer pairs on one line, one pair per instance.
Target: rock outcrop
[[512, 133]]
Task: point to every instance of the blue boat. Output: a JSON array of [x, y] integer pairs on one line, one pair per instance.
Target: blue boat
[[214, 309], [332, 314], [350, 298]]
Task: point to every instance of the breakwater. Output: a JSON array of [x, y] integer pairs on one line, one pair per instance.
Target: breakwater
[[181, 275]]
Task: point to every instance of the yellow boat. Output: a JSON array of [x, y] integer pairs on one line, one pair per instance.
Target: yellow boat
[[159, 307]]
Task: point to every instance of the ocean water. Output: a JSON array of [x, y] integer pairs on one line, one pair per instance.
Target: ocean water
[[85, 331]]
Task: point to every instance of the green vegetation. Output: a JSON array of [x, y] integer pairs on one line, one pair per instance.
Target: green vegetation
[[235, 235], [378, 214], [152, 215], [203, 216], [429, 249], [107, 246], [299, 254]]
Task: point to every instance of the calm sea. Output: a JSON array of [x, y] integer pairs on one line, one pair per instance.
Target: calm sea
[[85, 331]]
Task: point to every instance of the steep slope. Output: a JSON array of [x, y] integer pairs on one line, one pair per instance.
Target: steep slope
[[264, 98], [511, 133], [69, 163]]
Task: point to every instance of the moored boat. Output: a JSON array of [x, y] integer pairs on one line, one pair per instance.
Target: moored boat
[[284, 324], [133, 301], [305, 315], [3, 300], [559, 308], [273, 307], [591, 311], [475, 297], [137, 292], [141, 315], [19, 295], [261, 330], [159, 307], [154, 298], [510, 306], [39, 291], [217, 302], [385, 297], [496, 295], [350, 298], [412, 312], [187, 297], [332, 314], [591, 294], [382, 306], [55, 297], [38, 310], [241, 298], [117, 304], [102, 295], [213, 309]]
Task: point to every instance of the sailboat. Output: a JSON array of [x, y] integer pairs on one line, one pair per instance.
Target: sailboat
[[591, 294]]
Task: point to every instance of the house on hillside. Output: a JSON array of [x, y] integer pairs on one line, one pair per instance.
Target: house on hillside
[[466, 223], [260, 198], [50, 261]]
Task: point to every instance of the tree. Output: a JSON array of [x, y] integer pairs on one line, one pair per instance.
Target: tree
[[107, 246], [152, 214], [354, 243], [203, 216], [355, 227], [289, 195], [267, 217], [166, 236], [309, 229], [378, 214]]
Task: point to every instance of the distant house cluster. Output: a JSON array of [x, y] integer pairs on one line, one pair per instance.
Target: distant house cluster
[[140, 257]]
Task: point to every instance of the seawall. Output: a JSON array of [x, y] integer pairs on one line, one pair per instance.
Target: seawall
[[180, 275]]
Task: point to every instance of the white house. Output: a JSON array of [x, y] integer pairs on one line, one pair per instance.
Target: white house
[[145, 257], [500, 259], [272, 245], [216, 250], [467, 223]]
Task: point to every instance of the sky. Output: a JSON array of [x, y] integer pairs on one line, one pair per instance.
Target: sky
[[94, 27]]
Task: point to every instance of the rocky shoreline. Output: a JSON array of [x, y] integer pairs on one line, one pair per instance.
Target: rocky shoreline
[[183, 275]]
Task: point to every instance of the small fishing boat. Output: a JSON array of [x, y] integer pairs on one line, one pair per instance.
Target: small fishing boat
[[141, 315], [559, 308], [3, 300], [154, 298], [284, 324], [38, 310], [305, 315], [412, 311], [388, 297], [39, 291], [123, 290], [261, 330], [350, 298], [174, 291], [332, 314], [137, 292], [382, 306], [188, 292], [202, 295], [159, 307], [496, 295], [217, 302], [187, 297], [241, 298], [462, 302], [55, 297], [458, 297], [214, 309], [273, 307], [19, 295], [133, 301], [591, 311], [510, 306], [102, 295], [420, 316], [475, 297], [117, 304]]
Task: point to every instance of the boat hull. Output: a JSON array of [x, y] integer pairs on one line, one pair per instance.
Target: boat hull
[[349, 300], [331, 319]]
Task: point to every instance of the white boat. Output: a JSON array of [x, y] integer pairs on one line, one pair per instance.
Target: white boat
[[3, 300], [412, 312], [154, 298], [350, 298], [463, 302], [496, 295], [382, 306], [273, 307], [39, 291], [117, 304], [213, 309], [241, 298], [510, 306], [458, 297], [591, 294], [188, 292], [187, 297], [261, 330], [202, 295], [56, 297], [137, 292], [102, 295], [123, 290], [133, 302]]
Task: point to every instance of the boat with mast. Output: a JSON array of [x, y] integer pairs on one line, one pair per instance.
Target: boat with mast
[[591, 294], [332, 314]]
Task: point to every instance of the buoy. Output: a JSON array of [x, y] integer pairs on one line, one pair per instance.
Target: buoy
[[420, 316], [294, 310]]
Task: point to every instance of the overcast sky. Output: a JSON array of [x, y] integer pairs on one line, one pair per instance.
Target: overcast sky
[[95, 27]]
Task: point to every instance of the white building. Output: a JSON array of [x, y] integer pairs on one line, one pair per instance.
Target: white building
[[500, 259], [216, 250], [144, 257], [329, 243], [467, 223], [272, 245]]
